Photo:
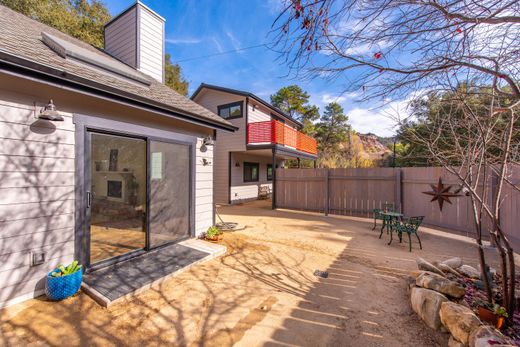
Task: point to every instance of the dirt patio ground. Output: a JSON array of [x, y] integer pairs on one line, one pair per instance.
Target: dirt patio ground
[[261, 293]]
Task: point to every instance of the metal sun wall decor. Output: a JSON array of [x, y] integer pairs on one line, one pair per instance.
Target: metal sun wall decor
[[441, 193]]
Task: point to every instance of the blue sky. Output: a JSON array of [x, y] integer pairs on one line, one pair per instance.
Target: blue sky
[[197, 28]]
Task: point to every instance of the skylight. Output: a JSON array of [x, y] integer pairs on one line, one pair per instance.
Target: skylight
[[69, 50]]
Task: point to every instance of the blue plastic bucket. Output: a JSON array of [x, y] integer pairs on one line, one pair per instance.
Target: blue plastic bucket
[[59, 288]]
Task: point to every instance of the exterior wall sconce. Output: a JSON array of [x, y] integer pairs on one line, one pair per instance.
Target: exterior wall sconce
[[205, 162], [207, 141], [237, 164], [49, 112], [254, 107]]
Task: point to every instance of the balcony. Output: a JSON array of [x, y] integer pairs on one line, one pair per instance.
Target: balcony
[[274, 132]]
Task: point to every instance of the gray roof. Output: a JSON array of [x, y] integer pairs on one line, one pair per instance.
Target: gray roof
[[22, 48]]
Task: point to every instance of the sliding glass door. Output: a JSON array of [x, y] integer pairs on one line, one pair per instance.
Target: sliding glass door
[[138, 195], [169, 192], [117, 196]]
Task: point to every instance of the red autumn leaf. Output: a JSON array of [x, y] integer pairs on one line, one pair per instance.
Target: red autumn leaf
[[381, 70], [309, 47], [378, 55], [459, 30], [321, 12], [316, 45]]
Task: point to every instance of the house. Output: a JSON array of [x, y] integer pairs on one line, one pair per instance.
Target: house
[[266, 137], [99, 160]]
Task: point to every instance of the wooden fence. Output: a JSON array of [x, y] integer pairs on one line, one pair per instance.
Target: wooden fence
[[358, 191]]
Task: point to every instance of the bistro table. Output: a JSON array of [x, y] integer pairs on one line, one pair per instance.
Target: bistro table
[[388, 217]]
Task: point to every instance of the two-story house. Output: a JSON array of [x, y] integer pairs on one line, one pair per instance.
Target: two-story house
[[266, 137]]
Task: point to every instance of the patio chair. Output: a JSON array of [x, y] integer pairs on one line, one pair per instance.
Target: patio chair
[[408, 226], [377, 215]]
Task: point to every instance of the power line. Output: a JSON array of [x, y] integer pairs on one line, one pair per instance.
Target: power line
[[220, 53]]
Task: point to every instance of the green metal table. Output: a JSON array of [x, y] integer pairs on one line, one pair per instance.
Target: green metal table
[[387, 222]]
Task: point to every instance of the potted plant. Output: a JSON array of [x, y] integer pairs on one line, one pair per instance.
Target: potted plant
[[492, 313], [213, 234], [64, 281]]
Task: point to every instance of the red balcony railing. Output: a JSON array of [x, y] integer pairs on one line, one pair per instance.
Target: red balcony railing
[[275, 132]]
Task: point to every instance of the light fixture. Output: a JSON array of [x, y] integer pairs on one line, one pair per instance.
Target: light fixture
[[237, 164], [254, 107], [205, 162], [208, 141], [49, 113]]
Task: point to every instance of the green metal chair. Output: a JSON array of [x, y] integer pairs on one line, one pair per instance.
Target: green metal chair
[[388, 223], [377, 215], [408, 226]]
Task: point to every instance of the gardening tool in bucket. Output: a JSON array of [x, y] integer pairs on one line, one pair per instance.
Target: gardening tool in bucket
[[63, 281]]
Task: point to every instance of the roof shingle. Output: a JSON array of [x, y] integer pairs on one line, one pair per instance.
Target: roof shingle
[[21, 37]]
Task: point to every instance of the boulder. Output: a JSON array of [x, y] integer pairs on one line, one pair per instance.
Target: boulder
[[459, 320], [426, 266], [446, 269], [469, 271], [410, 282], [440, 284], [416, 273], [453, 262], [486, 335], [427, 303], [454, 343]]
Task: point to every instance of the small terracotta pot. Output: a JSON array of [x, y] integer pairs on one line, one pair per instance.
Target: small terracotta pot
[[215, 238], [491, 317]]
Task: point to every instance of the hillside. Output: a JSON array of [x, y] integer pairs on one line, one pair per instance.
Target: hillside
[[368, 147]]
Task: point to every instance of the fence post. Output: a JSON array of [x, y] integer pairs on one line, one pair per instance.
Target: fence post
[[327, 192], [399, 189]]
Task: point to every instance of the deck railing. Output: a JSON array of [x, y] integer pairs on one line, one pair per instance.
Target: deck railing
[[275, 132]]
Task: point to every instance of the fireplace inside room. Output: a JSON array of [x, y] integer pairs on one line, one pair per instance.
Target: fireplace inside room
[[115, 189]]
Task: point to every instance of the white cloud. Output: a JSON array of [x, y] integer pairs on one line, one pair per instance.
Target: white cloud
[[217, 44], [327, 98], [234, 41], [381, 121], [183, 41], [367, 48]]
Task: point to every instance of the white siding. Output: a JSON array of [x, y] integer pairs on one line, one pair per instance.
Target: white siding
[[243, 191], [204, 189], [226, 141], [37, 168], [151, 48], [36, 197], [259, 113], [121, 37]]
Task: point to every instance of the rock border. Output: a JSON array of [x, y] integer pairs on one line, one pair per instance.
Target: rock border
[[439, 302]]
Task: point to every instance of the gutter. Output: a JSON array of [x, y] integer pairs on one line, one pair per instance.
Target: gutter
[[21, 67]]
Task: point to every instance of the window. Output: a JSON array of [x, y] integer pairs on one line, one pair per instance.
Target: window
[[251, 172], [269, 172], [228, 111]]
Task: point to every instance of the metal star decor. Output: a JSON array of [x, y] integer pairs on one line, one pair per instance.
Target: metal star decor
[[441, 193]]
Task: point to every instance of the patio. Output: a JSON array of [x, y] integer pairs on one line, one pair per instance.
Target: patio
[[263, 291]]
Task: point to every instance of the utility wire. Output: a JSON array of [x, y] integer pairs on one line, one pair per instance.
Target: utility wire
[[220, 53]]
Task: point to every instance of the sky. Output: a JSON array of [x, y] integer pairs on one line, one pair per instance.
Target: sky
[[199, 33]]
